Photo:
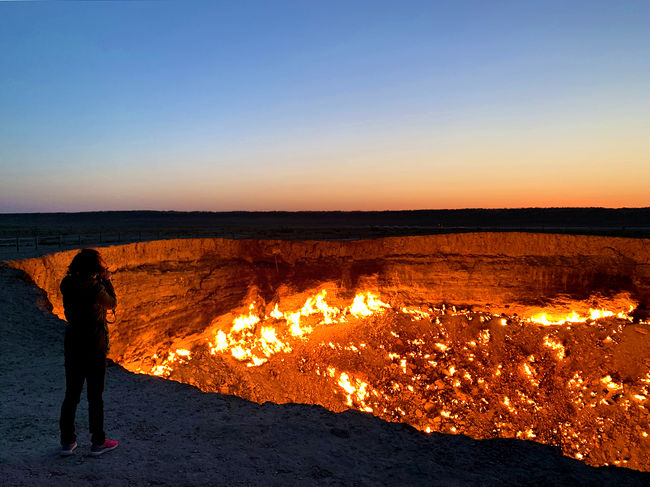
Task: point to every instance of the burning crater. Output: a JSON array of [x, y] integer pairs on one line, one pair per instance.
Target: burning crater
[[538, 337]]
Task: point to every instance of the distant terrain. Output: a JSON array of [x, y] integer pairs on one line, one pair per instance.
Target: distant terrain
[[335, 225]]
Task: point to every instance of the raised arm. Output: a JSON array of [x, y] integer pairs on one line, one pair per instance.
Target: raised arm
[[106, 295]]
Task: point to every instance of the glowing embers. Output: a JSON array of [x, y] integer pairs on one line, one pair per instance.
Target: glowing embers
[[254, 339], [356, 390], [575, 317], [166, 366], [453, 378], [560, 351], [437, 369]]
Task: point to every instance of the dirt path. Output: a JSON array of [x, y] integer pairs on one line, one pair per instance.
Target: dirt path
[[173, 434]]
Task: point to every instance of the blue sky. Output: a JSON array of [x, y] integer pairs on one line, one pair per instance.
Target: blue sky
[[323, 105]]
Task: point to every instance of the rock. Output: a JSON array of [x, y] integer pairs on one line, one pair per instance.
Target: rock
[[429, 406]]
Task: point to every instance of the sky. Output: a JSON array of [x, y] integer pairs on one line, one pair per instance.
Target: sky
[[332, 105]]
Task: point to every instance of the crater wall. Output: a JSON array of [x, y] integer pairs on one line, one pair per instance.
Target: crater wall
[[175, 288]]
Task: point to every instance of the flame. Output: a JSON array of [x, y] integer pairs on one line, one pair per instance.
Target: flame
[[356, 390], [560, 352], [575, 317], [314, 305], [426, 364], [610, 384], [317, 304], [366, 305], [221, 342], [416, 313], [276, 313], [242, 323], [270, 343], [251, 339], [165, 368]]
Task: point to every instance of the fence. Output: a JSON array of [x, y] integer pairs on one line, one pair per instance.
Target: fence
[[20, 243], [54, 242]]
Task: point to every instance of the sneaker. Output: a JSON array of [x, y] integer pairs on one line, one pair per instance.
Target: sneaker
[[108, 445], [68, 449]]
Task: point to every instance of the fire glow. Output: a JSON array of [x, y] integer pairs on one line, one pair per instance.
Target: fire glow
[[246, 345], [433, 367], [573, 317]]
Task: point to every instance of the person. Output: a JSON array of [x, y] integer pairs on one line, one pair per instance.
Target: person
[[87, 295]]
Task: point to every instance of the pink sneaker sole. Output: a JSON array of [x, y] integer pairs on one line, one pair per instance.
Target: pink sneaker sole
[[109, 445]]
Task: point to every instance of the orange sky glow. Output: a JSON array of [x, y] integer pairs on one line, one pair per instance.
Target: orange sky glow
[[138, 105]]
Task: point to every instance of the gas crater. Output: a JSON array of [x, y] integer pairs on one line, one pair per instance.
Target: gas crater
[[531, 336]]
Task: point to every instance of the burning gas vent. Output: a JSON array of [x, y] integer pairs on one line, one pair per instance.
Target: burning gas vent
[[436, 368], [543, 338]]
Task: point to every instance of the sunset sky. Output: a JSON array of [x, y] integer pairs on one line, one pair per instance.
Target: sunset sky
[[329, 105]]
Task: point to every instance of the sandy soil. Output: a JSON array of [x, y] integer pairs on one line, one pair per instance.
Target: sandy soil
[[173, 434]]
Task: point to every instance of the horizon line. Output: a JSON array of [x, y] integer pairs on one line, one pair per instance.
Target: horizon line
[[330, 211]]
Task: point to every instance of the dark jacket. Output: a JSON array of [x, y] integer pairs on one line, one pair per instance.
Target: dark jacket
[[85, 302]]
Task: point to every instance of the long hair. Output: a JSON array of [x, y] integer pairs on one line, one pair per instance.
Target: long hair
[[86, 264]]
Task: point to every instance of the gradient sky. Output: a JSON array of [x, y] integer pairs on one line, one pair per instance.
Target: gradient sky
[[323, 105]]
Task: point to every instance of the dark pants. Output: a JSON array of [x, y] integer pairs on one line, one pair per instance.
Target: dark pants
[[82, 363]]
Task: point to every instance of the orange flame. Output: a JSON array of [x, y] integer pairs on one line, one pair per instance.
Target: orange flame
[[252, 340], [574, 317]]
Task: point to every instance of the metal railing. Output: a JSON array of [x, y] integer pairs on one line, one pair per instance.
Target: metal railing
[[66, 240], [53, 242]]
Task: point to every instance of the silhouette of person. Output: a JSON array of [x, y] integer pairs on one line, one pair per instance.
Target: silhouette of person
[[87, 295]]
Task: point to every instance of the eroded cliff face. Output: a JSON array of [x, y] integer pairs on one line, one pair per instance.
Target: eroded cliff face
[[174, 288], [431, 331]]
